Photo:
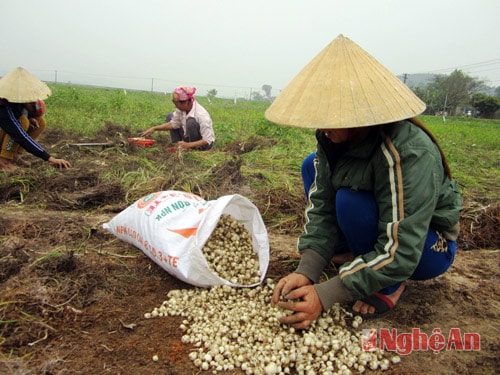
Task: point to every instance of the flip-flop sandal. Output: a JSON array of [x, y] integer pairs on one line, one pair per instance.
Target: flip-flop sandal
[[381, 303]]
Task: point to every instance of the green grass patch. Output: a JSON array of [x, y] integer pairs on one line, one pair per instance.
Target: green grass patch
[[471, 145]]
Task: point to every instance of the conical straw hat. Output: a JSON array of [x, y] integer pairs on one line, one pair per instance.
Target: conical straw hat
[[343, 87], [20, 86]]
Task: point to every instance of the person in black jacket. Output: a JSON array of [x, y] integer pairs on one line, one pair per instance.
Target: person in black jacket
[[19, 91]]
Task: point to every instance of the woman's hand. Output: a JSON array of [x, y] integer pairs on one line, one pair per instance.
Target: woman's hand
[[300, 297], [59, 163], [183, 145], [305, 304], [147, 132], [34, 123], [287, 284]]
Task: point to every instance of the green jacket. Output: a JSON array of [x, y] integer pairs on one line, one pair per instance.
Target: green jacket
[[403, 167]]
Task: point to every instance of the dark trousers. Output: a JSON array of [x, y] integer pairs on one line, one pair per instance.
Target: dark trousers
[[193, 133]]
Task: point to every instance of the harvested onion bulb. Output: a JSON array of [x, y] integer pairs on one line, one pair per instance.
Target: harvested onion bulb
[[230, 254], [237, 328]]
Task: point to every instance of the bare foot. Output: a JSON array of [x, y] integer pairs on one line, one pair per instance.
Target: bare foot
[[22, 162], [364, 308], [6, 165]]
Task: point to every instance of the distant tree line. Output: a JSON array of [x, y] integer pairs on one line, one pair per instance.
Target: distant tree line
[[457, 94], [265, 97], [254, 95], [454, 94]]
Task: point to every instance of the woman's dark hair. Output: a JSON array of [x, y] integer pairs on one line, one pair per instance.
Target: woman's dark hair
[[418, 123]]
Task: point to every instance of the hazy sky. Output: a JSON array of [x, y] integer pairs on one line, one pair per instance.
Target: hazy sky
[[234, 45]]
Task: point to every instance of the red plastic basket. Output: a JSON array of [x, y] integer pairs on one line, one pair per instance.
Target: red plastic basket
[[141, 142]]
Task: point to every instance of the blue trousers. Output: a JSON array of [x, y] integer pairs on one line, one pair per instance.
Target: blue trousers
[[308, 172], [357, 215]]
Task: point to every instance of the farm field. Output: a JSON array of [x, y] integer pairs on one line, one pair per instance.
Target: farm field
[[73, 297]]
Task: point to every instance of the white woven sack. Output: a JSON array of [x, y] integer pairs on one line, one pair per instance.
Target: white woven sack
[[171, 227]]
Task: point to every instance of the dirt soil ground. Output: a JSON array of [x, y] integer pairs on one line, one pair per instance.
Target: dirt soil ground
[[72, 296]]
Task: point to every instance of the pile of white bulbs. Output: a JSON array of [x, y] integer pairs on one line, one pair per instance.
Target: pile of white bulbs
[[237, 328], [230, 254]]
